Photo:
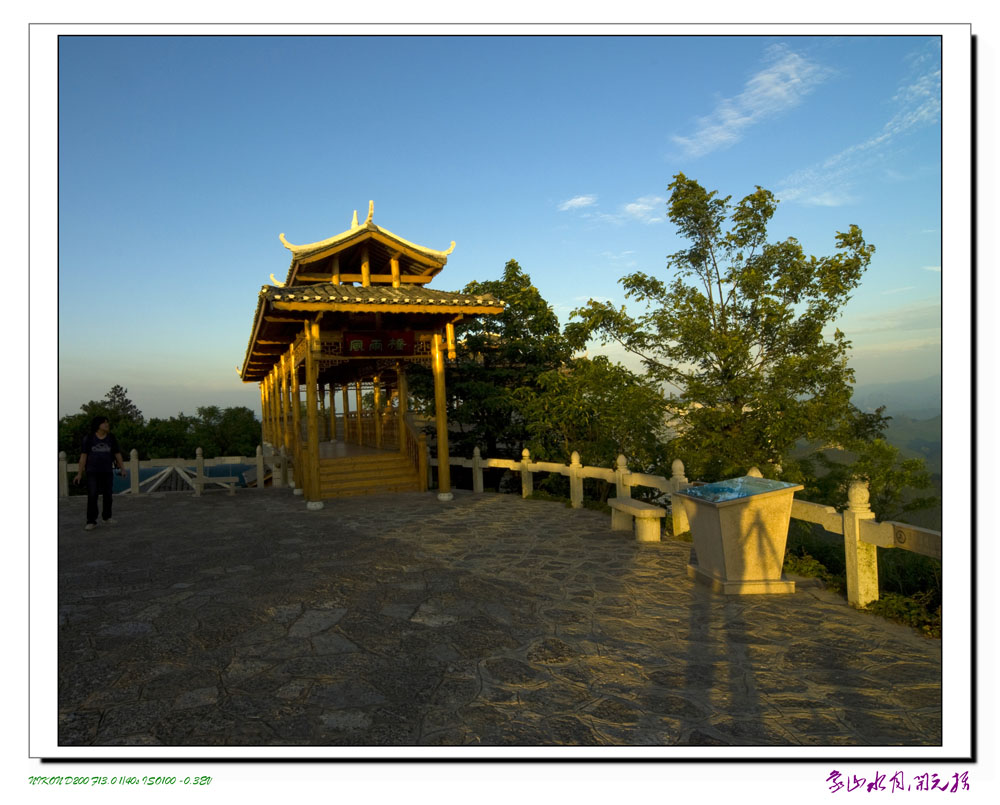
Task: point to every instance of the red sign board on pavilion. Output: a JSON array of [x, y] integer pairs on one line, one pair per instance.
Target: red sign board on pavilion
[[384, 344]]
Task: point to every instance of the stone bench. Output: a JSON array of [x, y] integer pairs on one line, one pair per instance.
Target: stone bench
[[229, 482], [646, 516]]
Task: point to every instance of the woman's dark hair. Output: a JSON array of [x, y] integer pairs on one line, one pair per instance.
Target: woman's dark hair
[[95, 423]]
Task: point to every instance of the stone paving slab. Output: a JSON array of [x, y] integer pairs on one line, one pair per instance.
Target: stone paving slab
[[489, 620]]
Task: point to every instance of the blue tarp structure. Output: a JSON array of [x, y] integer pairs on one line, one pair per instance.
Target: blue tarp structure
[[219, 471]]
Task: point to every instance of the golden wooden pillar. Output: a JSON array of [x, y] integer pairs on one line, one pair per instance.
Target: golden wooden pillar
[[296, 426], [286, 398], [394, 268], [332, 424], [276, 396], [377, 405], [335, 278], [270, 406], [263, 412], [357, 403], [403, 403], [312, 420], [343, 399], [321, 395], [366, 276], [441, 420]]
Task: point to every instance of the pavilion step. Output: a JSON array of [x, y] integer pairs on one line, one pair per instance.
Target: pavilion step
[[358, 462], [341, 491], [338, 472], [371, 474]]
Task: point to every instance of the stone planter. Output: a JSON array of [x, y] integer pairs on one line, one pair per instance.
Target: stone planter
[[739, 528]]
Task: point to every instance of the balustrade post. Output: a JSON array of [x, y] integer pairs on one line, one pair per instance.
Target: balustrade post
[[477, 470], [527, 481], [133, 470], [678, 482], [63, 479], [259, 461], [199, 470], [575, 481], [623, 487], [861, 557]]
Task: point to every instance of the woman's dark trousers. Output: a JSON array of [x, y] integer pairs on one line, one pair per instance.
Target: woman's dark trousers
[[99, 483]]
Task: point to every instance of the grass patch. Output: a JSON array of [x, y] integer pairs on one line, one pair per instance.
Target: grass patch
[[909, 584], [912, 610], [593, 505], [802, 564]]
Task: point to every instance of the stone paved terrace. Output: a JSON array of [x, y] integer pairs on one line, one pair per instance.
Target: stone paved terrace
[[490, 620]]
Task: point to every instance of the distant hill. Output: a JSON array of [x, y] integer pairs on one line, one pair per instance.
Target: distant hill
[[917, 438], [920, 399]]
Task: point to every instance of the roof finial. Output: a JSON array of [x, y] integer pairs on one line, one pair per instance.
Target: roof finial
[[276, 282], [371, 212], [354, 220]]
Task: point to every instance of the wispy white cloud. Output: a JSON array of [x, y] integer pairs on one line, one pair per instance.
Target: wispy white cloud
[[781, 85], [890, 323], [578, 202], [933, 268], [645, 210], [831, 182], [898, 290], [622, 259]]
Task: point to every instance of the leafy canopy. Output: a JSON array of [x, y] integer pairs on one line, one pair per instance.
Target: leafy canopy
[[497, 355], [218, 431], [737, 330], [599, 409]]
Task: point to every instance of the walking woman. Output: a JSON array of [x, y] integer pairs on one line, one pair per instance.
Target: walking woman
[[99, 457]]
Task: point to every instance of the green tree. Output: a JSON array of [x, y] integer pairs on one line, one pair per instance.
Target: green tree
[[239, 432], [495, 356], [738, 331], [169, 438], [599, 409], [124, 416], [892, 480], [225, 431]]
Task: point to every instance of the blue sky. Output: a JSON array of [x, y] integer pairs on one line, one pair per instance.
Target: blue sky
[[182, 158]]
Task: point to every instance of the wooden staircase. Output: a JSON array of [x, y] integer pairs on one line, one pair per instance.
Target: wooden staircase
[[367, 475]]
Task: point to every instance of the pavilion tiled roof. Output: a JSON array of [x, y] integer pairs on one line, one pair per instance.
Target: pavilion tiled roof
[[375, 295], [411, 299], [430, 260]]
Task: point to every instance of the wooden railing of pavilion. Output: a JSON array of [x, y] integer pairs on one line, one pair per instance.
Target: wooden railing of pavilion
[[415, 447]]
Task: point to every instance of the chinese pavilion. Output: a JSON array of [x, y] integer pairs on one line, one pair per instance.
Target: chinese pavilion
[[353, 312]]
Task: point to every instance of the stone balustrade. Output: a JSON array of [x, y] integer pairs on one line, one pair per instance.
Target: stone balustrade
[[178, 466], [856, 523]]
